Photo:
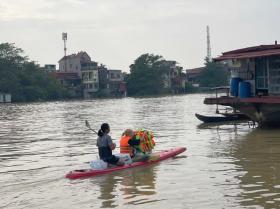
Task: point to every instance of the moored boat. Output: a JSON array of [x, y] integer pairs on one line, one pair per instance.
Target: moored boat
[[214, 119]]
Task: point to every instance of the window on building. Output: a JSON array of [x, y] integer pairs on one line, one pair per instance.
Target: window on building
[[85, 77], [70, 66], [261, 73], [118, 75]]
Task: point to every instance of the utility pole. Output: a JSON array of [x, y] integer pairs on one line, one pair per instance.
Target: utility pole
[[64, 38], [208, 57]]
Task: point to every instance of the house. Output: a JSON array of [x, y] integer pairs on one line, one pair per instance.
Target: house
[[115, 75], [70, 72], [73, 63], [70, 80], [80, 72], [111, 82], [49, 68], [90, 79], [174, 78], [5, 98], [255, 83], [103, 78], [192, 75], [116, 82]]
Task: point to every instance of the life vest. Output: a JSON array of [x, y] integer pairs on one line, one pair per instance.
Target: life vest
[[124, 146], [146, 138]]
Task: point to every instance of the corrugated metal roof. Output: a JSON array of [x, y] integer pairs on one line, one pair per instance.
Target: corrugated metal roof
[[250, 52]]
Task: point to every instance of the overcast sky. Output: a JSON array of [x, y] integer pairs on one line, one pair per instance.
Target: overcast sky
[[116, 32]]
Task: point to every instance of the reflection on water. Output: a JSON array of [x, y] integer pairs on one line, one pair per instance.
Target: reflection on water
[[253, 164], [136, 186], [259, 157], [228, 165], [139, 185]]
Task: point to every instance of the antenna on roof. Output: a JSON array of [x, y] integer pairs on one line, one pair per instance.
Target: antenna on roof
[[209, 58], [64, 38]]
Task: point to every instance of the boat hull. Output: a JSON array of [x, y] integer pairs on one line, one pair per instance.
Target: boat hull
[[264, 110], [163, 155], [263, 114], [215, 119]]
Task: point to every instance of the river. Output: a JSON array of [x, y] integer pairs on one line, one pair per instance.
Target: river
[[225, 166]]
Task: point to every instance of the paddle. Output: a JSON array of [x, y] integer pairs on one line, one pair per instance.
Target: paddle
[[88, 126]]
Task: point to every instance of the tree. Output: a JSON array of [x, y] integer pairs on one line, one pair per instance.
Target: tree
[[146, 75], [23, 78], [11, 55], [214, 74]]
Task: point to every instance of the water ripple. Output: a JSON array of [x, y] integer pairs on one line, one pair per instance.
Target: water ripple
[[225, 166]]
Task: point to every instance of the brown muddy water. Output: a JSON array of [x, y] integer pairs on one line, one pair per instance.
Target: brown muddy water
[[225, 165]]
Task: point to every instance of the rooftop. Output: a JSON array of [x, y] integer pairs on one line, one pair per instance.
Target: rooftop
[[194, 70], [78, 55], [251, 52]]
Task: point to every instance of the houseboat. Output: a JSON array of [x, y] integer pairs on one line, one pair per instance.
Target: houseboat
[[254, 83]]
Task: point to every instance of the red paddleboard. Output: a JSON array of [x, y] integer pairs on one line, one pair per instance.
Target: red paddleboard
[[163, 155]]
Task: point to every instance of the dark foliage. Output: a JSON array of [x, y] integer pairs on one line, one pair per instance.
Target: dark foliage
[[214, 74], [147, 76], [24, 79]]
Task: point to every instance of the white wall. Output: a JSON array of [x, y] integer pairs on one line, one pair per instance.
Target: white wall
[[72, 65], [90, 78]]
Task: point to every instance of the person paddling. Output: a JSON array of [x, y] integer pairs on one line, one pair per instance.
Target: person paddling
[[105, 146]]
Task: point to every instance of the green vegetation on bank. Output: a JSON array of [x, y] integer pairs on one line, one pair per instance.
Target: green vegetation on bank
[[148, 75], [214, 74], [23, 79]]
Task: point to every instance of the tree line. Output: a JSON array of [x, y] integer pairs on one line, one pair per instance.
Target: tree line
[[214, 74], [25, 81], [148, 74]]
